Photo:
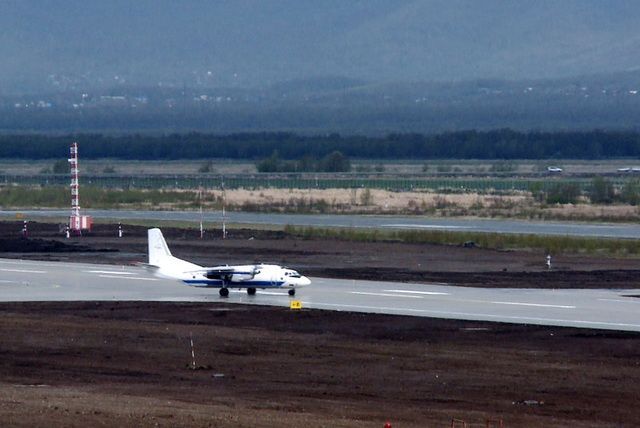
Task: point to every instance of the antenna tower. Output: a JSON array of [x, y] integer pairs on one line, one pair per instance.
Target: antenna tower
[[76, 222]]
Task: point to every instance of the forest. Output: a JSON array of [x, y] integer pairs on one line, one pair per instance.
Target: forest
[[496, 144]]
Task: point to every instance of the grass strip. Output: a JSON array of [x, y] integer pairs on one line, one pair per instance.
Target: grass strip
[[553, 244], [94, 197]]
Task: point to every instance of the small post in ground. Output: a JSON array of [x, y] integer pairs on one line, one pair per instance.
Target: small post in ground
[[193, 354]]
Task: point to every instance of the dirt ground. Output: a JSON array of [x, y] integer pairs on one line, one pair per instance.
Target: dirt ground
[[127, 363]]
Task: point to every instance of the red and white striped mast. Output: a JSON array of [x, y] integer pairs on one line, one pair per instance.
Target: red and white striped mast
[[75, 220]]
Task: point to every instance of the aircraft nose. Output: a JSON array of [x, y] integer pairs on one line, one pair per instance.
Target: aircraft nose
[[304, 280]]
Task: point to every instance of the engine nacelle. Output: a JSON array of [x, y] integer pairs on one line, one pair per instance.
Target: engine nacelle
[[230, 275]]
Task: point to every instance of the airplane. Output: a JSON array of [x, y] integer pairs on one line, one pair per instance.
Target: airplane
[[223, 277]]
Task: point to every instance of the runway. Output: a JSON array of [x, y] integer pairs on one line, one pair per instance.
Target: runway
[[601, 230], [598, 309]]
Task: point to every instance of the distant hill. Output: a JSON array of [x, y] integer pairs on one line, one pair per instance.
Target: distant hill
[[327, 105], [87, 44]]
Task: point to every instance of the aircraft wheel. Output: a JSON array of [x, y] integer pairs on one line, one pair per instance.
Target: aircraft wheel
[[251, 291], [224, 292], [292, 292]]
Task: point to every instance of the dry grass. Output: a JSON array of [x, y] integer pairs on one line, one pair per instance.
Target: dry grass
[[342, 201], [374, 200]]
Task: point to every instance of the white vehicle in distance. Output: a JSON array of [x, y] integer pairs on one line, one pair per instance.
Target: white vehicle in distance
[[554, 169]]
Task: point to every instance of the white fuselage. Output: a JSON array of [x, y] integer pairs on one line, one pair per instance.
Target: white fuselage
[[241, 276]]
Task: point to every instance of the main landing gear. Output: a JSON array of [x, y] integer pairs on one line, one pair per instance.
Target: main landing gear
[[251, 291]]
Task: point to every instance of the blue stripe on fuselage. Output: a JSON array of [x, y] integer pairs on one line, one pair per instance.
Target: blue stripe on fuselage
[[221, 272], [243, 284]]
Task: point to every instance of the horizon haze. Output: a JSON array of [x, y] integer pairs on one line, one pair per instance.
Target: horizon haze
[[84, 45]]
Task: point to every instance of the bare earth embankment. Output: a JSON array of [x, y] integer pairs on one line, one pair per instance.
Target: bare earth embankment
[[126, 364]]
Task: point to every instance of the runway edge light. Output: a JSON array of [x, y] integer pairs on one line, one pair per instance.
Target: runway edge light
[[295, 305]]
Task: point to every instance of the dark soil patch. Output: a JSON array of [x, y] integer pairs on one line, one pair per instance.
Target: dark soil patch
[[271, 366]]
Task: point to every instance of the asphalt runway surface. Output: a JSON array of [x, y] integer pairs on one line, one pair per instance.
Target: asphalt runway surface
[[599, 309], [361, 221]]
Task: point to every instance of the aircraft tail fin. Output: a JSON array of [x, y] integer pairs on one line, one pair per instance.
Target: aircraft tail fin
[[158, 249]]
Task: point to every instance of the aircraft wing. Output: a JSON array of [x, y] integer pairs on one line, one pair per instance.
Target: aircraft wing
[[218, 272], [229, 273]]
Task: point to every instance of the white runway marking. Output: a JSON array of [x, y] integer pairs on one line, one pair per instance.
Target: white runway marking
[[23, 270], [538, 305], [6, 281], [111, 272], [128, 277], [621, 300], [426, 226], [430, 293], [384, 295]]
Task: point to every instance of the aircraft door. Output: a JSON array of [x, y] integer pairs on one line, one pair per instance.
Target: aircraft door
[[275, 279]]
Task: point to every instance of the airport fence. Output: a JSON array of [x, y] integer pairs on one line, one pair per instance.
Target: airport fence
[[309, 181]]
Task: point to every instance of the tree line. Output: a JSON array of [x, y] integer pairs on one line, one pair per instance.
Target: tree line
[[333, 162], [497, 144]]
